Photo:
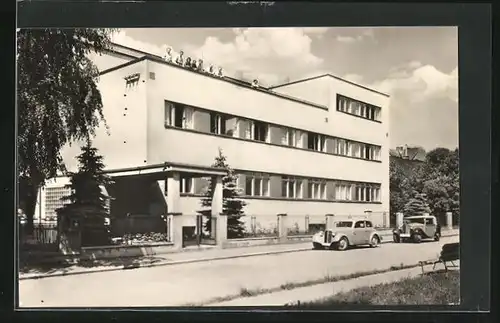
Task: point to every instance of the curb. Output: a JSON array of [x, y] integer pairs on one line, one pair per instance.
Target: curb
[[177, 262], [171, 263]]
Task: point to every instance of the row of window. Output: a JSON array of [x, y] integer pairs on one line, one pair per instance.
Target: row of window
[[358, 108], [293, 187], [177, 115]]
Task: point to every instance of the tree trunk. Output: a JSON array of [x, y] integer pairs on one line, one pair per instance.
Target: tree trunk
[[28, 194]]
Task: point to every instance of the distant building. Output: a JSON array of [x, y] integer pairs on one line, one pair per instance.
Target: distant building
[[409, 152]]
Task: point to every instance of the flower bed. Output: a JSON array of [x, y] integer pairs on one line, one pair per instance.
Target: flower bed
[[137, 239]]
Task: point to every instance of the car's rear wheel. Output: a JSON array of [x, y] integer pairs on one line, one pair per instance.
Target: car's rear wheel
[[396, 238], [437, 236], [417, 237], [374, 241], [343, 244]]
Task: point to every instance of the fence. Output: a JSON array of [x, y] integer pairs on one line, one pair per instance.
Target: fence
[[45, 236], [266, 225], [139, 229], [305, 224], [255, 226]]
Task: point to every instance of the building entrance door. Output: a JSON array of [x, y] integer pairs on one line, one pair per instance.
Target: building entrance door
[[198, 234]]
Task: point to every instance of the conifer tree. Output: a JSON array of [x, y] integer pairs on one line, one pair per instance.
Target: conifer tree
[[417, 205], [232, 206], [87, 203]]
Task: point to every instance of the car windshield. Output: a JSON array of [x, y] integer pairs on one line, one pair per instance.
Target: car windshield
[[343, 224], [417, 220]]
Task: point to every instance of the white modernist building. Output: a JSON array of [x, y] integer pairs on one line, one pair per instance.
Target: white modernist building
[[312, 147]]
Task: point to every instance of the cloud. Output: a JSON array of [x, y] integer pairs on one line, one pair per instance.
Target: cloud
[[420, 82], [263, 53], [356, 78], [348, 39], [122, 38], [362, 34], [424, 105]]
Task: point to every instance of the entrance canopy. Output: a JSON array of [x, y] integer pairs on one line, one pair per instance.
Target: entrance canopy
[[160, 170], [168, 175]]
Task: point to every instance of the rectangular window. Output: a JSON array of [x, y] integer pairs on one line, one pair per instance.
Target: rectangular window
[[289, 137], [169, 113], [368, 194], [342, 192], [217, 123], [356, 150], [362, 110], [248, 185], [358, 108], [368, 152], [316, 189], [260, 131], [178, 115], [340, 147], [291, 187], [316, 142], [186, 184], [299, 138], [257, 185]]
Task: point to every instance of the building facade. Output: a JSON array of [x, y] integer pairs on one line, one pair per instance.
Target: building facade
[[312, 147]]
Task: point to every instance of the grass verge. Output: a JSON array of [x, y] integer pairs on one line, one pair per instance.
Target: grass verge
[[434, 288], [245, 292]]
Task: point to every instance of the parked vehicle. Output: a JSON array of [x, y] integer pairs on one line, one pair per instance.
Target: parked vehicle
[[347, 233], [418, 228]]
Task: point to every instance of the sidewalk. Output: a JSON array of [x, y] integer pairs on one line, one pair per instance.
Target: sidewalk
[[183, 257], [169, 259], [317, 292]]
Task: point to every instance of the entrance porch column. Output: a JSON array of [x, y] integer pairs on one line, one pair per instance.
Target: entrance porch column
[[282, 227], [217, 196], [174, 214], [173, 193]]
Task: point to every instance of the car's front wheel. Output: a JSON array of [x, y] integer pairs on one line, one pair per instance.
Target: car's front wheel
[[374, 242], [343, 244], [317, 246], [417, 237]]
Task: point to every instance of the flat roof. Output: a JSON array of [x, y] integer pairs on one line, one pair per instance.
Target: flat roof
[[227, 79], [329, 75]]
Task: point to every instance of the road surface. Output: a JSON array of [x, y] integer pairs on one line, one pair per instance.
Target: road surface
[[179, 285]]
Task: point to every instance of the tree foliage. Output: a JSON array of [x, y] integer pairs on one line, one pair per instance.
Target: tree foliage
[[88, 204], [232, 206], [441, 181], [437, 178], [58, 100], [416, 205]]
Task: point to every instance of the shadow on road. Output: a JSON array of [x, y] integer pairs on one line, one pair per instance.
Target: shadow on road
[[46, 265]]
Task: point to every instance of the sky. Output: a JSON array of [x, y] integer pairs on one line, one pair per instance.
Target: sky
[[416, 66]]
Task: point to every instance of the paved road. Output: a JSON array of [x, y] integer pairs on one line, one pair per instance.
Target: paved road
[[199, 282]]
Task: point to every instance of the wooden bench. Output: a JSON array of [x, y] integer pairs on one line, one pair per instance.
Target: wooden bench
[[449, 253]]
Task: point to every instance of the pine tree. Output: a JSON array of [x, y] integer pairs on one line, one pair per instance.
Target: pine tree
[[417, 205], [87, 203], [232, 206]]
